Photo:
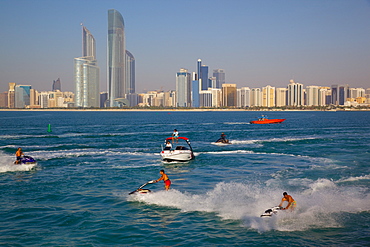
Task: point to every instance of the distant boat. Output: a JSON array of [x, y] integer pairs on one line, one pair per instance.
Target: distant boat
[[264, 120]]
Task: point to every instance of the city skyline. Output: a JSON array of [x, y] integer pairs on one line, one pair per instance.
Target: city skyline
[[256, 43]]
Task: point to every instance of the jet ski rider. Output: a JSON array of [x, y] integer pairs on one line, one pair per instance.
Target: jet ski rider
[[291, 203], [18, 155], [166, 180]]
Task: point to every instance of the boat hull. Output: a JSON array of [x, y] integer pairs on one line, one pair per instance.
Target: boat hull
[[267, 121], [177, 156]]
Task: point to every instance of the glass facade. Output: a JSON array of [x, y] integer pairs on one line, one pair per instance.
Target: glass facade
[[116, 58], [130, 72], [87, 73]]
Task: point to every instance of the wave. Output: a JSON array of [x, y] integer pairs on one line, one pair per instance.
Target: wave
[[319, 206]]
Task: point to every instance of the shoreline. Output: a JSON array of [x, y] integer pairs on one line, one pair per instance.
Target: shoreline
[[179, 110]]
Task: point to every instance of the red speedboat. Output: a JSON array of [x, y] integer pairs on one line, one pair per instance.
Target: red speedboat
[[264, 120]]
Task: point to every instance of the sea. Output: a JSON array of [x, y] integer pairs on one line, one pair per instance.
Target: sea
[[89, 161]]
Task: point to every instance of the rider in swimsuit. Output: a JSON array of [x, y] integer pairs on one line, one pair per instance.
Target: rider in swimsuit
[[18, 155], [291, 203], [166, 180]]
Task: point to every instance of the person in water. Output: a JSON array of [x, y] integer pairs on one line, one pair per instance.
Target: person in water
[[18, 156], [175, 136], [291, 203], [166, 180]]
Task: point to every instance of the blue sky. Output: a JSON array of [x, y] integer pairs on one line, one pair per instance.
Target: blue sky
[[257, 43]]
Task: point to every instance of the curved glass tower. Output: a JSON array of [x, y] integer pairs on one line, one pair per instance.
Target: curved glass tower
[[116, 77], [87, 73]]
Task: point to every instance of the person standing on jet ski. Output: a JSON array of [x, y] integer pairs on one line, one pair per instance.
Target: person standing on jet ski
[[18, 156], [166, 180], [291, 203]]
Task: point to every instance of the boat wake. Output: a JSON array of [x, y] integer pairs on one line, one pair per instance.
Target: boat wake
[[319, 206]]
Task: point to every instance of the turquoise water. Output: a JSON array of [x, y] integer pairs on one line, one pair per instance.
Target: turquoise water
[[77, 194]]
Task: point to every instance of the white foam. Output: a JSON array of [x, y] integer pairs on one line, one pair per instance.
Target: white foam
[[319, 206]]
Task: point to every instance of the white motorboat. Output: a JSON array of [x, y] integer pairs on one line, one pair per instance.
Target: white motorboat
[[178, 153]]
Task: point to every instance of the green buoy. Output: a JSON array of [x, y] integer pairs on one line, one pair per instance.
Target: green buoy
[[49, 128]]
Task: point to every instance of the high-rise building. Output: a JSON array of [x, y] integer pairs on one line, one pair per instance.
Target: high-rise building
[[57, 85], [339, 94], [195, 100], [11, 95], [117, 88], [268, 96], [22, 96], [229, 95], [280, 97], [4, 99], [87, 73], [243, 97], [183, 88], [312, 95], [256, 97], [295, 94], [103, 99], [130, 73], [220, 77], [204, 77]]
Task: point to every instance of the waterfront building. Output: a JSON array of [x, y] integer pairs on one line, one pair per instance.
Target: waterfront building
[[295, 94], [34, 99], [216, 97], [229, 95], [256, 97], [4, 99], [86, 73], [356, 92], [243, 97], [117, 88], [280, 97], [195, 100], [339, 94], [312, 95], [220, 77], [183, 88], [169, 98], [57, 85], [11, 95], [103, 99], [268, 96], [204, 77], [205, 98], [22, 96], [130, 72]]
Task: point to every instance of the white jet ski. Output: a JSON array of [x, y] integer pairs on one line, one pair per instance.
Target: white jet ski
[[271, 211], [140, 190]]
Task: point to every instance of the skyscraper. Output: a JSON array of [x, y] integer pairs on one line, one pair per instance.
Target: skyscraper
[[295, 94], [130, 72], [57, 85], [339, 94], [220, 77], [87, 73], [229, 94], [268, 96], [22, 96], [116, 77], [183, 88], [204, 77]]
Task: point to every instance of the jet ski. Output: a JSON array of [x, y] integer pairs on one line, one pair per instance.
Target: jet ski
[[271, 211], [222, 141], [140, 190], [26, 160]]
